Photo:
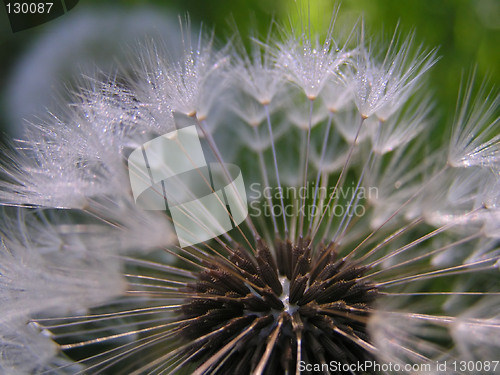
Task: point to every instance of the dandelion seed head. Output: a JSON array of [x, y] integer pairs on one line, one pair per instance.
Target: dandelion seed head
[[362, 241], [335, 96], [381, 88], [484, 336], [24, 348], [475, 139], [257, 74], [310, 65], [192, 85], [33, 283], [305, 301]]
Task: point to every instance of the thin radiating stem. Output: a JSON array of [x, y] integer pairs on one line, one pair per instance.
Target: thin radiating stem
[[396, 212], [275, 160], [456, 270], [306, 166], [265, 179], [341, 177], [218, 155], [318, 175]]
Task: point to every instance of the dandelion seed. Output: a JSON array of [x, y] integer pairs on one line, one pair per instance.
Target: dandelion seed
[[383, 87], [475, 139]]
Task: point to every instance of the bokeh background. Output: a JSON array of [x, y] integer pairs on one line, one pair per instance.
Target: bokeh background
[[38, 65]]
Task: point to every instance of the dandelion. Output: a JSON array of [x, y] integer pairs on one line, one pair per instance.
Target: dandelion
[[364, 251]]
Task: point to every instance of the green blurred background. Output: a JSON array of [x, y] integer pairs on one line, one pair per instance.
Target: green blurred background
[[467, 33]]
